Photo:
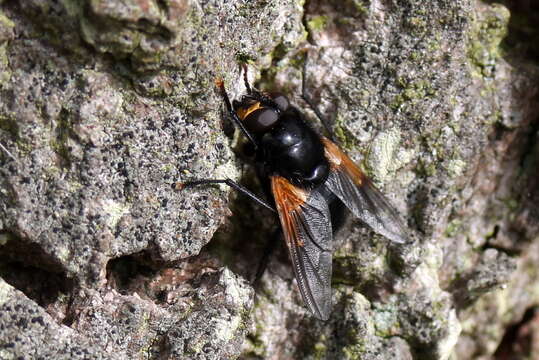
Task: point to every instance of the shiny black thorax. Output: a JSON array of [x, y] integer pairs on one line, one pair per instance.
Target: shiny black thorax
[[293, 150], [287, 146]]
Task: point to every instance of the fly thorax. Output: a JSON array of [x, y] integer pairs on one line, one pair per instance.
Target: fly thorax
[[295, 152]]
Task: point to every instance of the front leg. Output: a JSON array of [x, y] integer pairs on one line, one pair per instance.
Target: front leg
[[234, 185], [221, 85]]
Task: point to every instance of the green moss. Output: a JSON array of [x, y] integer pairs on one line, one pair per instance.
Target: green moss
[[340, 135], [418, 90], [317, 23], [167, 168], [488, 31], [353, 352], [5, 71], [495, 117], [346, 140], [6, 22], [256, 347], [59, 143], [415, 56], [426, 168], [412, 91], [9, 125], [397, 102], [245, 58], [362, 7], [434, 44], [320, 349], [417, 24]]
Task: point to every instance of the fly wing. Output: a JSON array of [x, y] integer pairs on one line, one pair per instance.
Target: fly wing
[[359, 194], [306, 225]]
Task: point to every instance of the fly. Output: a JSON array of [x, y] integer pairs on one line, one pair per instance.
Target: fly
[[309, 181]]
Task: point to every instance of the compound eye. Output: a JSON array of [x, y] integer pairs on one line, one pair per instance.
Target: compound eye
[[281, 101], [261, 120]]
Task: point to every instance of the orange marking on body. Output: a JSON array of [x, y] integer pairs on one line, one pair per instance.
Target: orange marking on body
[[244, 112]]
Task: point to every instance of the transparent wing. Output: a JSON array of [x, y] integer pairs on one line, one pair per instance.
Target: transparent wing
[[358, 193], [306, 225]]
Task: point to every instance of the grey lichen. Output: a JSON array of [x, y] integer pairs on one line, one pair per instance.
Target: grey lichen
[[107, 105], [386, 155]]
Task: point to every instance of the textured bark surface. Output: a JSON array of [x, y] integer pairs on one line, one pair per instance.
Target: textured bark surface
[[106, 104]]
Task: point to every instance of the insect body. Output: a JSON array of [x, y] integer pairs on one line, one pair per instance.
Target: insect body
[[310, 181]]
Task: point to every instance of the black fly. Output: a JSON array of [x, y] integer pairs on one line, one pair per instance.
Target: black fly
[[310, 181]]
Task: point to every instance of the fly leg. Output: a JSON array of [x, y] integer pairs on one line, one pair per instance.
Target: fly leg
[[271, 244], [221, 85], [234, 185]]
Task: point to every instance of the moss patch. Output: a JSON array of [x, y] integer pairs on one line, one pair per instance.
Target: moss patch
[[489, 29]]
